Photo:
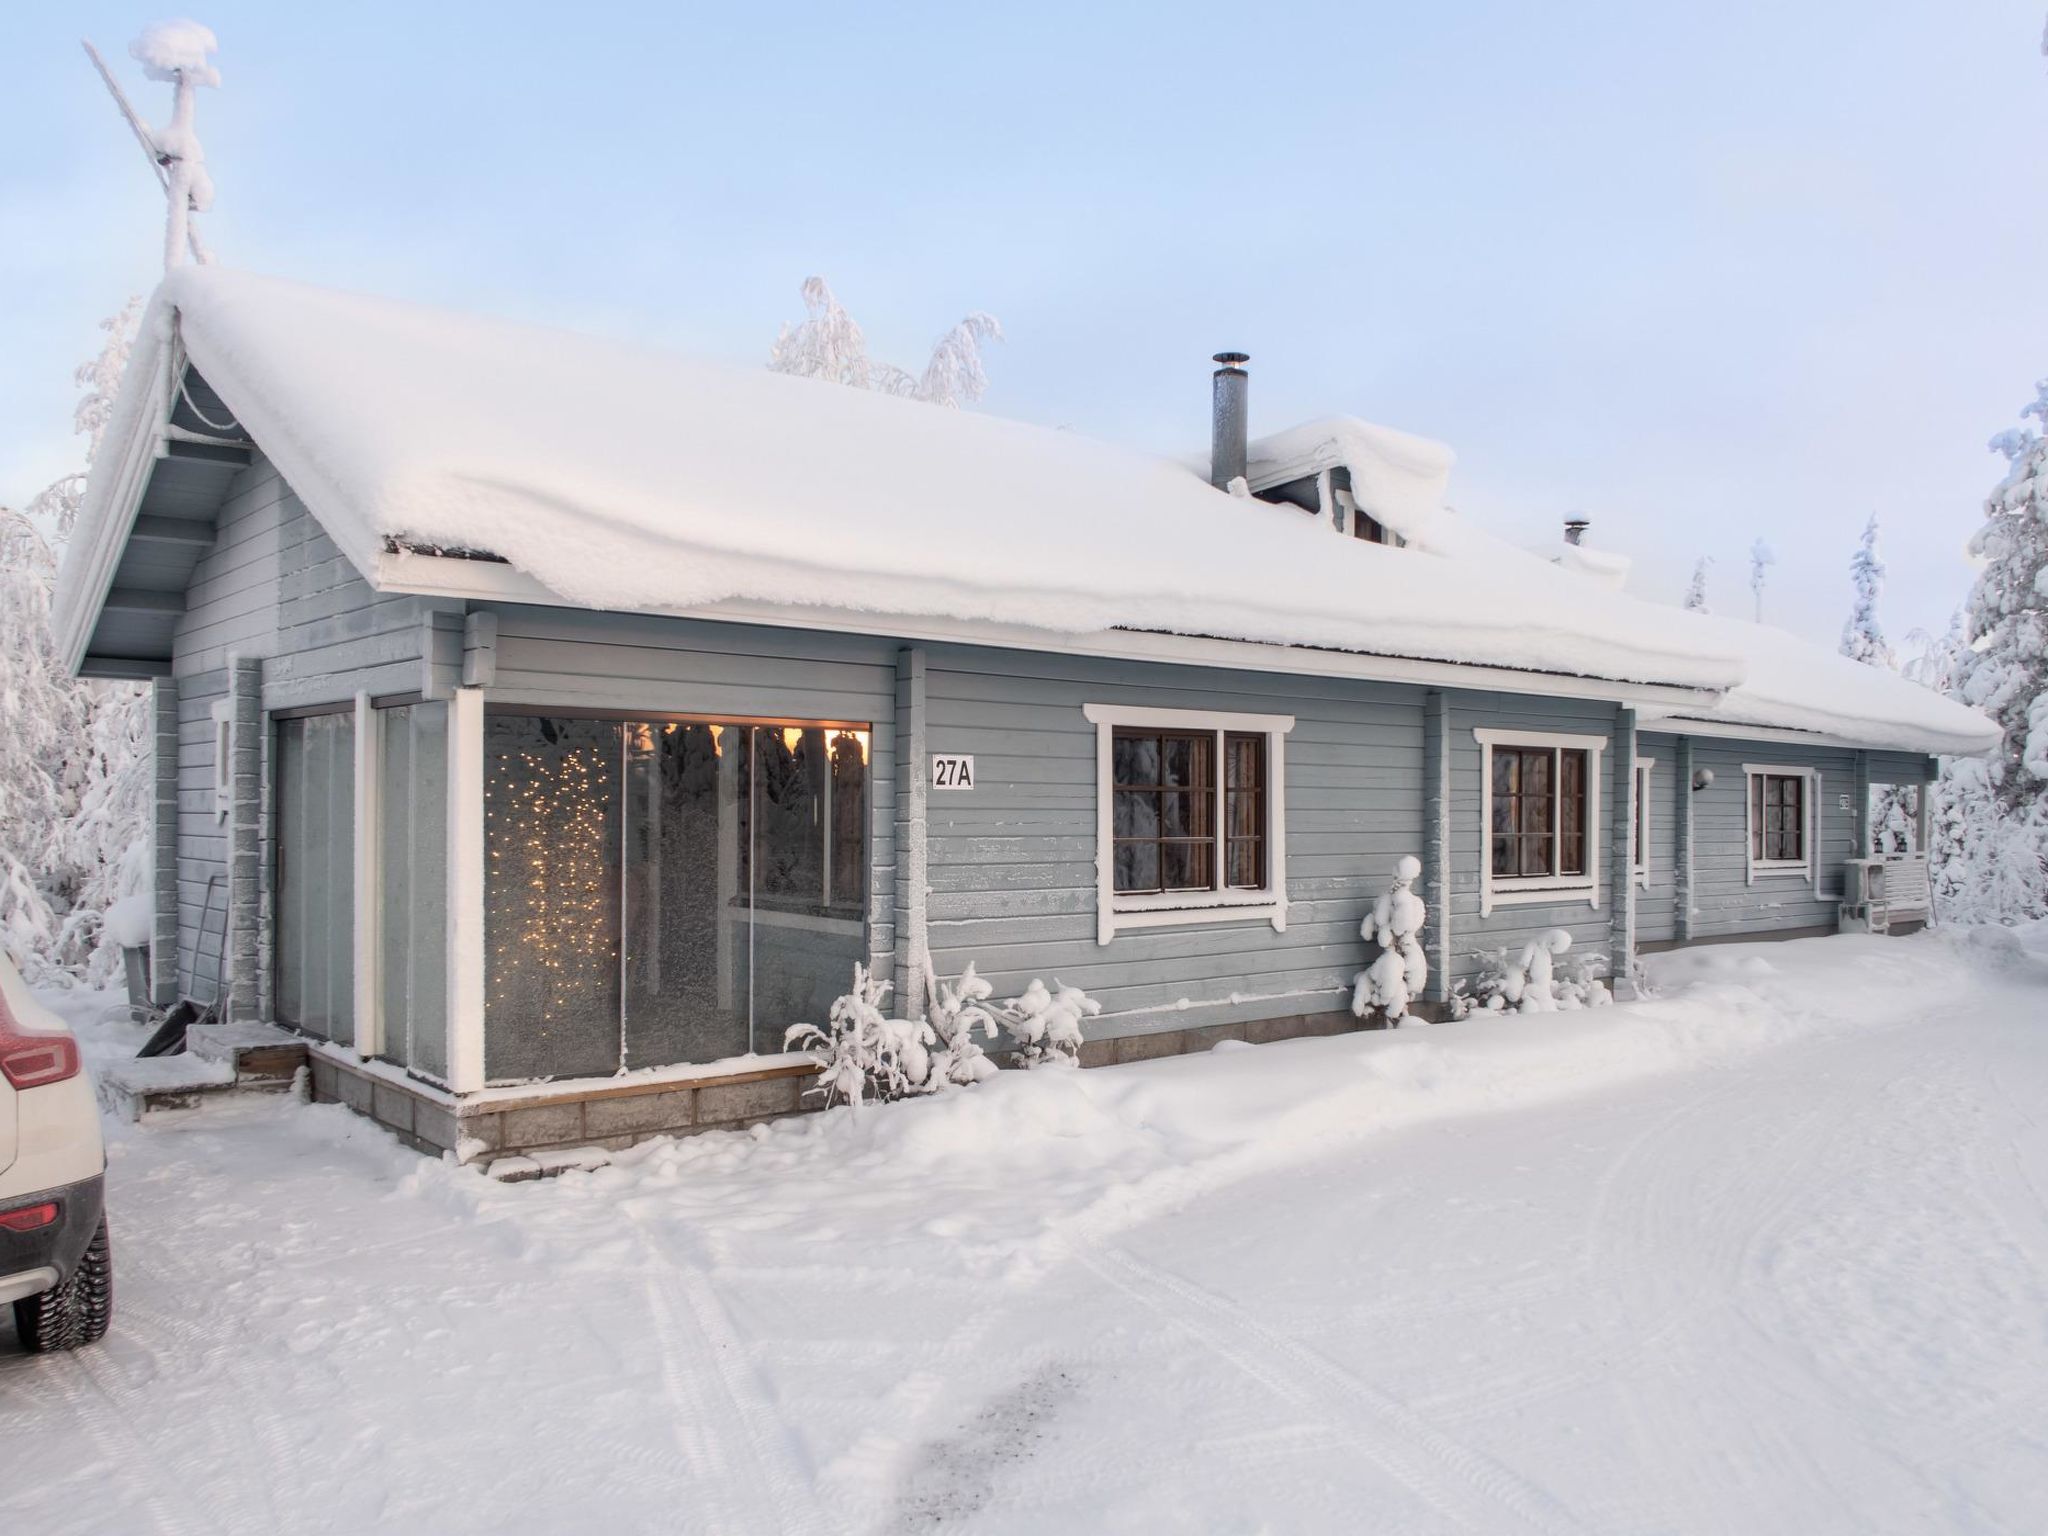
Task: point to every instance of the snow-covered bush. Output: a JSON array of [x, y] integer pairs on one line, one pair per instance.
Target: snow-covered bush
[[958, 1016], [1533, 981], [1389, 985], [1047, 1024], [862, 1053]]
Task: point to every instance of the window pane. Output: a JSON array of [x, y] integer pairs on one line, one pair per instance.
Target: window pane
[[849, 848], [1137, 866], [1572, 813], [412, 913], [1506, 856], [788, 817], [1178, 761], [315, 938], [1135, 813], [551, 897], [1247, 762], [1186, 866], [1536, 856], [1135, 759], [1247, 865], [1184, 813], [1506, 778], [1535, 773]]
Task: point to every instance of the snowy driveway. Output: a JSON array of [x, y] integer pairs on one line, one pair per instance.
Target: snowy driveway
[[1767, 1254]]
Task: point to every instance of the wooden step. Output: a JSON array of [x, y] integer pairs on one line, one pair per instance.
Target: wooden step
[[143, 1085], [255, 1053]]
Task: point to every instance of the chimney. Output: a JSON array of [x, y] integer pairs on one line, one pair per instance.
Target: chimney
[[1229, 419], [1575, 530]]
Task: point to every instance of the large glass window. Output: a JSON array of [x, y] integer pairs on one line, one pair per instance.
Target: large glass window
[[666, 891], [315, 874], [413, 864], [1539, 812]]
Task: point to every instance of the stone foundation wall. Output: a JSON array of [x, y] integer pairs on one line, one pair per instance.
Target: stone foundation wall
[[612, 1116]]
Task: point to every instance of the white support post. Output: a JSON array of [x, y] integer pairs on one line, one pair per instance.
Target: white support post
[[369, 991], [465, 930]]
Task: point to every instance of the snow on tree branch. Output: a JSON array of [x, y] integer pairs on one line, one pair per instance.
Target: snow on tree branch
[[1862, 636], [829, 344], [1761, 558], [1696, 590]]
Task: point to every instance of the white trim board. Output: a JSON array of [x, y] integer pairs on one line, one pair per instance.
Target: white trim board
[[1646, 788], [1807, 868], [1162, 909], [1554, 890]]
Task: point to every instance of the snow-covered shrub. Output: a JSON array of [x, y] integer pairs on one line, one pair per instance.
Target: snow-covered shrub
[[1047, 1024], [1388, 986], [1532, 980], [958, 1016], [862, 1053]]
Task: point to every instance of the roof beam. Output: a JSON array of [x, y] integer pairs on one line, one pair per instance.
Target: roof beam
[[137, 600], [125, 668], [205, 453], [173, 530]]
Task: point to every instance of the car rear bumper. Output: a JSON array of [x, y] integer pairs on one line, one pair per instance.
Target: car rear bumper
[[31, 1262]]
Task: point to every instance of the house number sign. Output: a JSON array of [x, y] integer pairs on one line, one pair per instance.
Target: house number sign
[[952, 770]]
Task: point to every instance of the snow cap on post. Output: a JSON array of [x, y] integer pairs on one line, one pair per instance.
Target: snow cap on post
[[168, 49], [1230, 420]]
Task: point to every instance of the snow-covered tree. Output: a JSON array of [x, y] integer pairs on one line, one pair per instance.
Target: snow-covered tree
[[75, 786], [1535, 979], [1696, 590], [829, 344], [1862, 636], [1991, 814], [1047, 1024], [179, 53], [1761, 558], [962, 1020], [862, 1053], [1401, 970]]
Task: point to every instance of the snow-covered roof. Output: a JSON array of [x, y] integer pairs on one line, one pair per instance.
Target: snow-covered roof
[[624, 478]]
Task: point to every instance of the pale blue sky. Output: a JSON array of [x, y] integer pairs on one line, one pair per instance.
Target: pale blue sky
[[1697, 272]]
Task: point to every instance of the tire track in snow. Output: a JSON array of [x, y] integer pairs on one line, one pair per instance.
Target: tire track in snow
[[1461, 1484], [110, 1424], [778, 1494]]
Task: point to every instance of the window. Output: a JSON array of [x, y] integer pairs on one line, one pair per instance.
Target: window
[[1541, 805], [1189, 819], [1639, 828], [412, 885], [315, 875], [664, 891], [1363, 524], [1780, 802]]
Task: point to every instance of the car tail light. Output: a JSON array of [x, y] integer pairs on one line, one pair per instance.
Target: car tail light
[[31, 1059], [29, 1218]]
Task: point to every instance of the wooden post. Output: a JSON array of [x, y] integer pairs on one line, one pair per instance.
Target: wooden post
[[369, 991], [1621, 877], [465, 927], [1436, 843], [913, 951], [1866, 838], [1681, 827], [163, 943]]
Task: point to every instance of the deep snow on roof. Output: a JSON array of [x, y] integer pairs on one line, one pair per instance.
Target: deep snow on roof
[[625, 478]]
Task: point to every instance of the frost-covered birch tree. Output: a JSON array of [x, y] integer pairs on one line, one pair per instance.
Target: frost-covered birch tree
[[74, 774], [1761, 558], [828, 343], [1696, 590]]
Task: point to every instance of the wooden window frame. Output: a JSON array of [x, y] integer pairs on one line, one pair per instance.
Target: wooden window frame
[[1640, 828], [1805, 865], [1553, 888], [1219, 901]]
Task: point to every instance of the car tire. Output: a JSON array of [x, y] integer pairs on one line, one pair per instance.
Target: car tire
[[75, 1312]]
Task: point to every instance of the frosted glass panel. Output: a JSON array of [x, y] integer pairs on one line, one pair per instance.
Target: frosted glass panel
[[315, 891], [412, 917], [551, 897]]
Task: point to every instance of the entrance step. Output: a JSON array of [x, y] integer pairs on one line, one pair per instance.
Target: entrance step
[[260, 1054], [131, 1089]]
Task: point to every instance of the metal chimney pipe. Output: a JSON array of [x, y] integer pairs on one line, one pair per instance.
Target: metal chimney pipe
[[1229, 419], [1575, 530]]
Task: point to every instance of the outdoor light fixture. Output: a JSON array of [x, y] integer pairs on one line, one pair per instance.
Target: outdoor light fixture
[[1702, 778]]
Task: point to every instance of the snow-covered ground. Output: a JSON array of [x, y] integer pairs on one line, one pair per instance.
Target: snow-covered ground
[[1769, 1253]]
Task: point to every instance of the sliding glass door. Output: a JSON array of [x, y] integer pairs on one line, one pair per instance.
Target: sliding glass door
[[666, 891]]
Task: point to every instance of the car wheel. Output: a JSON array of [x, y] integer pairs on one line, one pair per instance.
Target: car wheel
[[75, 1312]]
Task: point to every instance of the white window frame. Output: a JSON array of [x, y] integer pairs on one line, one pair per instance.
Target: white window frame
[[1162, 909], [1646, 778], [1804, 868], [1521, 890]]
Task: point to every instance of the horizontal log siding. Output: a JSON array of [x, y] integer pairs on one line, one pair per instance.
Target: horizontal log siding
[[202, 849], [1012, 861], [565, 658], [1657, 902], [1725, 902]]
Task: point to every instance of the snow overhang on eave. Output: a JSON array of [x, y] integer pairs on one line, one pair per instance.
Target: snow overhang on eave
[[1680, 723], [474, 579]]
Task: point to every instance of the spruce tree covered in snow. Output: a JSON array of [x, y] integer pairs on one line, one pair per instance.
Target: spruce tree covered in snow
[[1862, 635], [1696, 590], [829, 344], [1991, 814], [74, 760], [1388, 986], [1761, 558]]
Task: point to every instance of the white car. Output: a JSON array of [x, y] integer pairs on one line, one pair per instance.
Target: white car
[[54, 1261]]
